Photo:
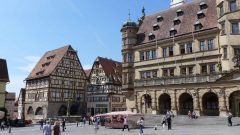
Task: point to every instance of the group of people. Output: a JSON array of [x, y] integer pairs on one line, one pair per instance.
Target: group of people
[[7, 124], [167, 119], [192, 115], [56, 129]]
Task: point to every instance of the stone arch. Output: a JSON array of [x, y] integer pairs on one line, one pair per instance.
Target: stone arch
[[210, 104], [164, 103], [185, 103], [39, 111], [62, 111], [74, 109], [30, 110], [146, 104], [234, 103]]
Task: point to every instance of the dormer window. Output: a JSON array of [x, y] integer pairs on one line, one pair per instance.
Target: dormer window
[[159, 18], [46, 64], [200, 14], [173, 31], [203, 5], [179, 12], [176, 21], [198, 25], [151, 36], [155, 27], [51, 57], [40, 72]]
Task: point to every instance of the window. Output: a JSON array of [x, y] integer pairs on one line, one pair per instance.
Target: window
[[202, 45], [148, 74], [129, 57], [173, 32], [210, 44], [154, 54], [223, 28], [179, 12], [189, 47], [200, 14], [204, 69], [235, 28], [212, 68], [176, 21], [165, 73], [198, 26], [183, 71], [225, 53], [147, 55], [151, 36], [155, 27], [190, 70], [171, 71], [164, 52], [236, 51], [159, 19], [221, 10], [141, 56], [203, 5], [143, 75], [170, 51], [154, 73], [182, 49], [233, 5]]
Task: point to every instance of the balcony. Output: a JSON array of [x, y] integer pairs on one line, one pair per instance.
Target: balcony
[[178, 80]]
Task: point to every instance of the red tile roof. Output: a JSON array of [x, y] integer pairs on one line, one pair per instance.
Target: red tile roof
[[48, 62], [186, 26], [112, 69], [3, 71]]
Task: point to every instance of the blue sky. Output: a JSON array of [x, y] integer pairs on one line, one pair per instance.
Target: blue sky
[[29, 28]]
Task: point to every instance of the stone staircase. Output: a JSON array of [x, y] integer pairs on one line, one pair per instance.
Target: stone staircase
[[181, 120]]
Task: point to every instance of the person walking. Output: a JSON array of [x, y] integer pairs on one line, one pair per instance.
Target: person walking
[[229, 118], [125, 124], [84, 121], [141, 125], [2, 126], [47, 129], [169, 120], [63, 125], [56, 128], [164, 121], [189, 114], [41, 124], [95, 122]]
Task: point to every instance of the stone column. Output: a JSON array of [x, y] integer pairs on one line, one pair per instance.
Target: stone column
[[196, 105], [154, 108], [222, 106], [173, 102], [136, 110]]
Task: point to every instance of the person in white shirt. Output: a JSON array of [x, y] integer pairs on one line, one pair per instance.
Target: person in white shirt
[[141, 125], [125, 124]]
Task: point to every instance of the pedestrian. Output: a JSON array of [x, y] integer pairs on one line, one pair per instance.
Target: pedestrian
[[169, 120], [41, 124], [56, 128], [77, 122], [47, 129], [125, 123], [95, 122], [229, 118], [194, 116], [63, 125], [164, 121], [141, 125], [84, 121], [81, 121], [189, 114], [2, 126]]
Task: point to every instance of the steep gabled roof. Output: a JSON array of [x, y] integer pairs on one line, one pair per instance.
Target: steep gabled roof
[[3, 71], [186, 26], [48, 62], [112, 69]]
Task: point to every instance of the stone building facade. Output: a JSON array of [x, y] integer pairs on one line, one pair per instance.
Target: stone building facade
[[104, 90], [184, 58], [56, 86], [4, 79], [10, 104]]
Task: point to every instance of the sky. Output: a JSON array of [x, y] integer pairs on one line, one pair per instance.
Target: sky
[[29, 28]]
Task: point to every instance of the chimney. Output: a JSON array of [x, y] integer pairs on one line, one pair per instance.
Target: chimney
[[175, 3]]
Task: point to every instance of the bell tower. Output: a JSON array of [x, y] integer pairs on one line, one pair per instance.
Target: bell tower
[[175, 3]]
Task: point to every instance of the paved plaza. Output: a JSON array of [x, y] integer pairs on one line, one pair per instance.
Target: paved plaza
[[186, 127]]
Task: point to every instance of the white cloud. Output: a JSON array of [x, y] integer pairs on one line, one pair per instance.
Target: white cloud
[[29, 63]]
